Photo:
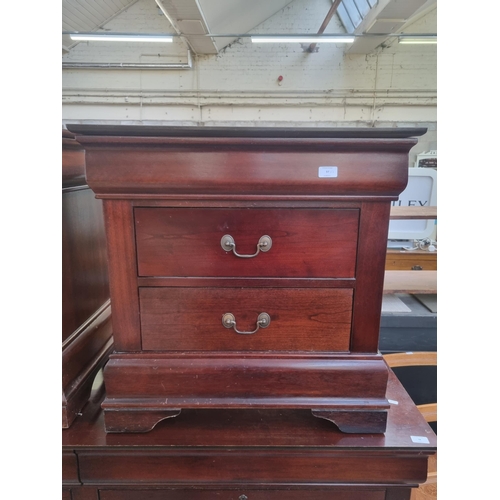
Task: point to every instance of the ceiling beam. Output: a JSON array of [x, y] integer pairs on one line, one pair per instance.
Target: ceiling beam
[[325, 23]]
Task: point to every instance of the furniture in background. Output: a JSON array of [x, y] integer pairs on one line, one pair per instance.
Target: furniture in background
[[246, 267], [409, 315], [412, 271], [427, 490], [86, 319], [248, 455], [408, 260]]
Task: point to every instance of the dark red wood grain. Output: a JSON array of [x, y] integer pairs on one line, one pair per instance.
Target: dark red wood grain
[[209, 166], [295, 380], [334, 493], [191, 319], [86, 329], [263, 454], [170, 196], [370, 266], [69, 468], [73, 161], [118, 217], [266, 429], [85, 493], [228, 467], [85, 286], [311, 243]]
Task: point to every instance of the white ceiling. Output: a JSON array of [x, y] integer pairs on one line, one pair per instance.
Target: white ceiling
[[193, 19], [388, 16], [89, 15]]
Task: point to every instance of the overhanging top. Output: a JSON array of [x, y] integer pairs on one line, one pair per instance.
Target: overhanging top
[[126, 162], [265, 132]]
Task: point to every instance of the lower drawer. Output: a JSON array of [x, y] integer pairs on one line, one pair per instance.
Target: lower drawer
[[245, 494], [299, 319]]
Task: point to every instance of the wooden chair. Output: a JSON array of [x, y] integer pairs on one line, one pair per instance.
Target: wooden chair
[[427, 490]]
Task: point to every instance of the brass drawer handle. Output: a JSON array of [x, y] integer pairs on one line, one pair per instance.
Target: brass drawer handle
[[264, 245], [229, 321]]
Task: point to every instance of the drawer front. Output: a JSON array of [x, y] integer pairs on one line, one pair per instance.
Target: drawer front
[[69, 468], [333, 493], [315, 243], [301, 319]]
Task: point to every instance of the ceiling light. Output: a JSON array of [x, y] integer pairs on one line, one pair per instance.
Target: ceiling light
[[304, 39], [417, 40], [119, 38]]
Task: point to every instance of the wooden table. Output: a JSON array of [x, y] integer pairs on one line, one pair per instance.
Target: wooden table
[[248, 455]]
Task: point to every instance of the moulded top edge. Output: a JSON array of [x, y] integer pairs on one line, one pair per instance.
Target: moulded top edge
[[250, 132]]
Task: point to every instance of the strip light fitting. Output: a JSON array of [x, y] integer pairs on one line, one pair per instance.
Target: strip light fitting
[[410, 40], [308, 39], [120, 38]]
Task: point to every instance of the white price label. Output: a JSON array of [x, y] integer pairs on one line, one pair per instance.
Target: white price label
[[420, 439], [328, 172]]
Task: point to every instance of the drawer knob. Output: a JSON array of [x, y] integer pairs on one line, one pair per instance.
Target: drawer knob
[[229, 321], [264, 245]]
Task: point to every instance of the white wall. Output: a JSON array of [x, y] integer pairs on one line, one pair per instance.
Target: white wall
[[394, 86]]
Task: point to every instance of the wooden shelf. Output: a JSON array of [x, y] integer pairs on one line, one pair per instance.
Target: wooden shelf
[[410, 282], [413, 213]]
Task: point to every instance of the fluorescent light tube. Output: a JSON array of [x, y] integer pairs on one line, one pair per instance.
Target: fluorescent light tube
[[308, 39], [417, 40], [121, 38]]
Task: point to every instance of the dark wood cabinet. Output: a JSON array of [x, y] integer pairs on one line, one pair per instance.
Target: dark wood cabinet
[[86, 311], [258, 454], [246, 271]]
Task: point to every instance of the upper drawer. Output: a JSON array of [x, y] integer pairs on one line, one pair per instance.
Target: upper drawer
[[304, 243]]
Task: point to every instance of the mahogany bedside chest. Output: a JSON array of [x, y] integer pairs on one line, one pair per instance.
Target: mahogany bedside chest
[[246, 268]]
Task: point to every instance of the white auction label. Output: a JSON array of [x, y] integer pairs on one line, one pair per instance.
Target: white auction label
[[328, 171], [420, 439]]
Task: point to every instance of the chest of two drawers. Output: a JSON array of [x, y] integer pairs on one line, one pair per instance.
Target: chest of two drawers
[[246, 269]]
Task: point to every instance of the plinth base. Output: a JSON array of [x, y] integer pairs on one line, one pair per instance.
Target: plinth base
[[144, 389]]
